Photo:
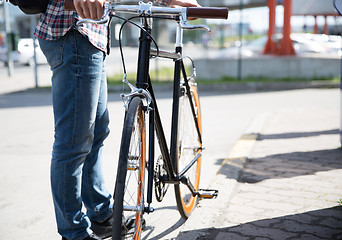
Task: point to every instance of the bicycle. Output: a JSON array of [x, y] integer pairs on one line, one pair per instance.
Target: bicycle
[[181, 164]]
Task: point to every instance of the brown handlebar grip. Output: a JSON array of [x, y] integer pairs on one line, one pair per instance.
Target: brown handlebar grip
[[69, 5], [207, 12]]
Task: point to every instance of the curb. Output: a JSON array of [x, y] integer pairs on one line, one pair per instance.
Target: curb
[[217, 87], [267, 86], [208, 214]]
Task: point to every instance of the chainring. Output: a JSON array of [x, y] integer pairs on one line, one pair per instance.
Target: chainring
[[160, 186]]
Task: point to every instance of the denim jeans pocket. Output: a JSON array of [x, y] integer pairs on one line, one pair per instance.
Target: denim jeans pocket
[[53, 51]]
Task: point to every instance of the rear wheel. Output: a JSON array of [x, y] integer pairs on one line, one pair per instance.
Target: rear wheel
[[189, 147], [129, 187]]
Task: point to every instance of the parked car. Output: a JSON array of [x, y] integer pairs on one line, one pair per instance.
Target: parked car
[[332, 43], [302, 43], [25, 53]]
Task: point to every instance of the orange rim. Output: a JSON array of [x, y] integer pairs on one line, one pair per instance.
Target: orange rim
[[140, 197], [188, 207]]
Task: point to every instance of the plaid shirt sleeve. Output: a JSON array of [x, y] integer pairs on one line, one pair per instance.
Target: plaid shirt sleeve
[[56, 22]]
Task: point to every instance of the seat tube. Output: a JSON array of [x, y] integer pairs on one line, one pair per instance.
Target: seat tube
[[176, 95], [144, 54]]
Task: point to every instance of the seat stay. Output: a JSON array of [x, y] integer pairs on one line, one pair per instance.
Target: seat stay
[[191, 102]]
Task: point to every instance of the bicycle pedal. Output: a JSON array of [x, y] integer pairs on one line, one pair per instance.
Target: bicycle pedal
[[207, 193]]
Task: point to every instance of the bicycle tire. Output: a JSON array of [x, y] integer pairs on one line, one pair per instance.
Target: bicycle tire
[[128, 205], [189, 145]]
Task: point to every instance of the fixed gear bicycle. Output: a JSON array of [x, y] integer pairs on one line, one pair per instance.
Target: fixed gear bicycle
[[180, 164]]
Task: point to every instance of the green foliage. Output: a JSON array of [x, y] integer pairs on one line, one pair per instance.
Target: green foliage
[[163, 75], [227, 79]]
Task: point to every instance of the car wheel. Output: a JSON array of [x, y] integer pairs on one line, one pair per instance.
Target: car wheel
[[30, 62]]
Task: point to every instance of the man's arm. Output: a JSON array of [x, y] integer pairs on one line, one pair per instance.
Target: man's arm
[[184, 3], [93, 9]]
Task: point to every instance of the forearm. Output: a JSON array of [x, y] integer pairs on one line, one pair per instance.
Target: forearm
[[179, 3], [92, 9], [163, 2]]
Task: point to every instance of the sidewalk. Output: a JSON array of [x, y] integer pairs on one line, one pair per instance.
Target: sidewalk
[[281, 180], [23, 78], [289, 188]]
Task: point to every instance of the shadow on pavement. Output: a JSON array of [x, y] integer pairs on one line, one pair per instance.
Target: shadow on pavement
[[286, 165], [296, 135], [36, 98], [39, 97], [291, 165], [27, 98], [318, 224]]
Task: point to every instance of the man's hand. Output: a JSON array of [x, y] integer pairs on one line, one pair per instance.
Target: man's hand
[[91, 9], [184, 3]]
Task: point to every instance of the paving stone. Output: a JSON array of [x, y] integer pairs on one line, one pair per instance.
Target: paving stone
[[332, 222], [254, 231], [230, 236], [308, 203], [235, 218], [306, 236], [337, 236], [291, 184], [243, 209], [294, 226], [322, 231]]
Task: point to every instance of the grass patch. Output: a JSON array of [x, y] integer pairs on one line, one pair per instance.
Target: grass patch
[[265, 80], [165, 75]]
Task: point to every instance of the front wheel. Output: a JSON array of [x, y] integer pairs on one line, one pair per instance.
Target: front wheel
[[189, 147], [129, 187]]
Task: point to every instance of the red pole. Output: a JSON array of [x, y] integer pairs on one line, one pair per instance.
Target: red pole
[[270, 47], [325, 31], [315, 27], [286, 47]]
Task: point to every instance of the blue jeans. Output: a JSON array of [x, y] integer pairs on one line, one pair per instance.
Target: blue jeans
[[79, 94]]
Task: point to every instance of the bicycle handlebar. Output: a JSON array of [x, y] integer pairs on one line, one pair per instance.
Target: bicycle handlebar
[[207, 12], [193, 12]]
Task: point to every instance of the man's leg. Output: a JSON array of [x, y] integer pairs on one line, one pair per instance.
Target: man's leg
[[93, 190], [77, 69]]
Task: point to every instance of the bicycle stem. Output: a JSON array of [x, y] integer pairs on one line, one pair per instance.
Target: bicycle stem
[[179, 36]]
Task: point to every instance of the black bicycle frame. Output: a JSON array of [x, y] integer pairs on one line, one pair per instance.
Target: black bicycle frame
[[155, 124]]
